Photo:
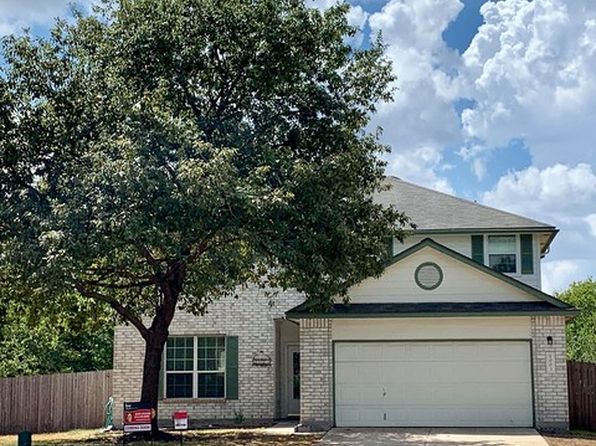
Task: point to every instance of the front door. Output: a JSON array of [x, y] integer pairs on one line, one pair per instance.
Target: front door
[[292, 380]]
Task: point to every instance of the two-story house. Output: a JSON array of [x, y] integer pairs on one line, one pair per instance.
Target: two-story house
[[456, 332]]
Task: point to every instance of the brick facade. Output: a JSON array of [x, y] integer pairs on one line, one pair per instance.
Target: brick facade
[[316, 370], [251, 317], [550, 373]]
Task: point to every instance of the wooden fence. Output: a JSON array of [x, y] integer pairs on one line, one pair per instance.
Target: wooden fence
[[581, 377], [52, 403]]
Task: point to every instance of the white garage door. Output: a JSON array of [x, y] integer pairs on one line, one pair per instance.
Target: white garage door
[[433, 384]]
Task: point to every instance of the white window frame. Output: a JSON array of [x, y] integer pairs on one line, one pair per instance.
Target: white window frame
[[517, 251], [195, 369]]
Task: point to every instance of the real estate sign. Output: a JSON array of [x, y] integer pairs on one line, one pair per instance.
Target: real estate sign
[[137, 417], [180, 419]]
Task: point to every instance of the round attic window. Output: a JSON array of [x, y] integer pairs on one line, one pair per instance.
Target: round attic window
[[428, 275]]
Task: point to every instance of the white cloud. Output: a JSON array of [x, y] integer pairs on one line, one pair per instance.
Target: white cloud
[[421, 121], [557, 192], [479, 168], [18, 14], [419, 166], [591, 221], [558, 274], [528, 72], [530, 69], [357, 16]]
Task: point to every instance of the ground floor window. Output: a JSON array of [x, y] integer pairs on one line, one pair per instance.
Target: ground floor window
[[195, 367]]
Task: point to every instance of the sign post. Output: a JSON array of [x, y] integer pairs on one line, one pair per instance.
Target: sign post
[[180, 418]]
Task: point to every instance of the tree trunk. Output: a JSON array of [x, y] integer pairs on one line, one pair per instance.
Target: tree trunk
[[154, 347], [155, 340]]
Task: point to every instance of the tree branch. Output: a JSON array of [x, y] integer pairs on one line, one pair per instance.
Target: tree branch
[[121, 271], [116, 286], [146, 253], [123, 311]]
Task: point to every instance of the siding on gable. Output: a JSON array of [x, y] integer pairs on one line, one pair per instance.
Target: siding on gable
[[461, 283], [462, 243]]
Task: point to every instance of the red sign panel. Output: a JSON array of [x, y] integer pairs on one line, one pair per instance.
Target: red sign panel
[[179, 414]]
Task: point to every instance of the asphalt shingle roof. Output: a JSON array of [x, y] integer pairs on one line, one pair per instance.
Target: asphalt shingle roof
[[434, 211]]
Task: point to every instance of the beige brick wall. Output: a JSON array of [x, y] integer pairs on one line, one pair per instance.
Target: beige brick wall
[[316, 375], [550, 373], [251, 317]]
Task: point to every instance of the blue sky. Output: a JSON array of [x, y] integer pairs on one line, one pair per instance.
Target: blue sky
[[496, 102]]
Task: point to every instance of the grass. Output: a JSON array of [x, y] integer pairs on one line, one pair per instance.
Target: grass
[[206, 437], [574, 438]]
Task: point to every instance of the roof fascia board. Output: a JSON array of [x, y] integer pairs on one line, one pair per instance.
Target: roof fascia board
[[525, 229], [551, 237], [561, 312]]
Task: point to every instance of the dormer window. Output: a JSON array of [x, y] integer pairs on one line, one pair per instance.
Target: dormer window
[[502, 253]]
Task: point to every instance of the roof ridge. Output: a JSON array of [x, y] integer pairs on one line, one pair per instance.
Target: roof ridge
[[474, 203]]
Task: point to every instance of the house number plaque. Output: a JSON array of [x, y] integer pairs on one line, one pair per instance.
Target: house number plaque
[[261, 359]]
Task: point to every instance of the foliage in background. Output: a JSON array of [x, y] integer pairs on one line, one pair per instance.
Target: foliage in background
[[581, 330], [32, 344]]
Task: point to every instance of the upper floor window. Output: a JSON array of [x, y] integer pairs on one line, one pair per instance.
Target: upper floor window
[[195, 367], [502, 253]]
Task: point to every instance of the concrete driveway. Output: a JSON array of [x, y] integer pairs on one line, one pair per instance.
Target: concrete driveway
[[432, 437]]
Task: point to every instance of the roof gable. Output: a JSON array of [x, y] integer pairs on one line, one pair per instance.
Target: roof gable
[[482, 271]]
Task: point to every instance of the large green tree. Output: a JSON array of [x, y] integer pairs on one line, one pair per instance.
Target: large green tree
[[581, 330], [159, 153]]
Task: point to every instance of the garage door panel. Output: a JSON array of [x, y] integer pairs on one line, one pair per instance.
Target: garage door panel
[[362, 416], [501, 351], [359, 373], [480, 372], [363, 395], [461, 383], [441, 416], [459, 371], [393, 350], [448, 416]]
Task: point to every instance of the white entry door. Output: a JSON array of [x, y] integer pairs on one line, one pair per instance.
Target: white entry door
[[292, 381], [460, 383]]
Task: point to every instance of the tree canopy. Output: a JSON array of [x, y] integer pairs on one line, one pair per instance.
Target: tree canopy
[[160, 153], [581, 330], [75, 340]]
